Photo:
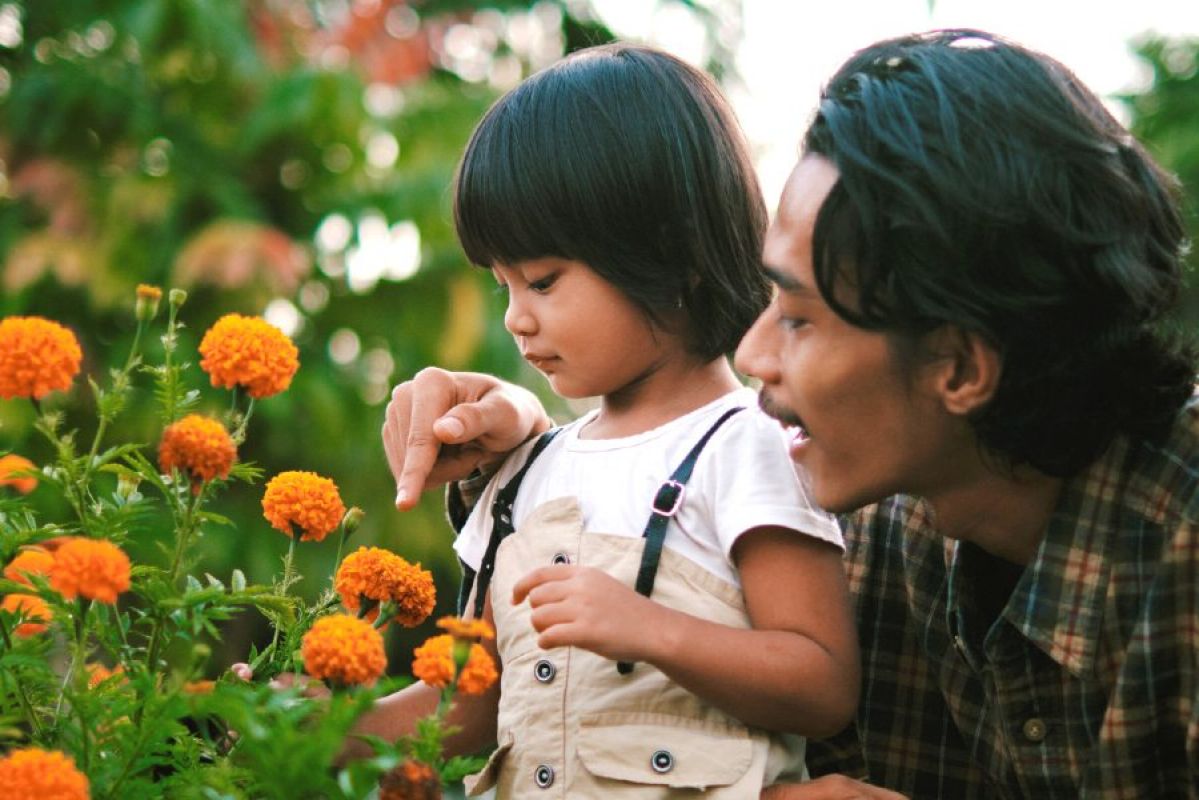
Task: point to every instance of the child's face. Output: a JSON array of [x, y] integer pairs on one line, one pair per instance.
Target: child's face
[[578, 330]]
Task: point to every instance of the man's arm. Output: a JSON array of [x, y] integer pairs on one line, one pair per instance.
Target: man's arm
[[442, 426]]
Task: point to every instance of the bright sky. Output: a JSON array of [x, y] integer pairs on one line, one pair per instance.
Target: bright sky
[[789, 47]]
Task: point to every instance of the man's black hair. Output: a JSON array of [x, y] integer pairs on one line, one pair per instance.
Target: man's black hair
[[982, 186], [630, 161]]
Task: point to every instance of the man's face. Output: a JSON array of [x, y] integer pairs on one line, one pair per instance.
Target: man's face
[[863, 429]]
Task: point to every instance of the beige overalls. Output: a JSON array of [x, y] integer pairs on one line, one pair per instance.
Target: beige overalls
[[571, 726]]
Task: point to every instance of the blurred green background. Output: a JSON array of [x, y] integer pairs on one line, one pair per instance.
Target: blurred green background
[[293, 159]]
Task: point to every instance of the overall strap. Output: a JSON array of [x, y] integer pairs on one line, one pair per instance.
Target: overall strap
[[667, 501], [501, 527]]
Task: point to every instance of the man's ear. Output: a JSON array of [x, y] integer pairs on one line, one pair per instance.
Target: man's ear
[[968, 370]]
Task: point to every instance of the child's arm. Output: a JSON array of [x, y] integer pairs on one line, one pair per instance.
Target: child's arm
[[796, 670]]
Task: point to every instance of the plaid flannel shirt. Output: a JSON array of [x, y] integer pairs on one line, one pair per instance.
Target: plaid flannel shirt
[[1087, 683]]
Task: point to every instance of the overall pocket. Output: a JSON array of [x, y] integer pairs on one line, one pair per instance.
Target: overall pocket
[[660, 750], [486, 778]]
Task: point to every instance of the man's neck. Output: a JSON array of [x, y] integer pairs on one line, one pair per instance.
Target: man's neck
[[1005, 515]]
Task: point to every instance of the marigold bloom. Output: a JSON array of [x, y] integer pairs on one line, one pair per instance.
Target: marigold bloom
[[199, 687], [343, 649], [248, 352], [461, 628], [36, 774], [379, 575], [10, 466], [303, 500], [146, 305], [433, 663], [34, 613], [98, 673], [30, 561], [197, 446], [412, 780], [37, 356], [93, 568]]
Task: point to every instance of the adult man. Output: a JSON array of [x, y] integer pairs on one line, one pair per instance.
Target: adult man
[[973, 262]]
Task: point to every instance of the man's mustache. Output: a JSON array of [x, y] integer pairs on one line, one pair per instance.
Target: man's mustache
[[772, 409]]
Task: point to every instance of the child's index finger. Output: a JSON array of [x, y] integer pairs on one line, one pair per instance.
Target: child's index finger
[[535, 578]]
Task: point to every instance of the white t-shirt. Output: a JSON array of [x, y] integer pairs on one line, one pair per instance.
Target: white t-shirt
[[743, 479]]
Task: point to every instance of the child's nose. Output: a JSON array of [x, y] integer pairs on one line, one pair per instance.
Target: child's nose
[[517, 318]]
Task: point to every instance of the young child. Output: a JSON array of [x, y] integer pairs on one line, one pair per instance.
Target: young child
[[670, 608]]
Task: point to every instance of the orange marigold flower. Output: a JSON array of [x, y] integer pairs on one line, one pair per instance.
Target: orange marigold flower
[[199, 687], [303, 500], [461, 628], [197, 446], [433, 663], [11, 466], [412, 780], [146, 306], [36, 774], [33, 611], [248, 352], [93, 568], [379, 575], [147, 292], [479, 672], [98, 673], [343, 649], [37, 356], [30, 561]]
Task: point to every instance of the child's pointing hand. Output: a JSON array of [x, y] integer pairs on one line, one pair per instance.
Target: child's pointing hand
[[584, 607]]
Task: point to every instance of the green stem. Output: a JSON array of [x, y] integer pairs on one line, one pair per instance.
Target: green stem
[[78, 653], [287, 572], [119, 382], [169, 342], [239, 435], [341, 543], [187, 527], [21, 694]]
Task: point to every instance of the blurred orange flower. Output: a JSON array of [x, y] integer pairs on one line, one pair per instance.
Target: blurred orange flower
[[37, 356], [93, 568], [197, 446], [199, 687], [146, 305], [380, 575], [30, 561], [433, 663], [303, 500], [34, 613], [343, 649], [248, 352], [10, 467], [460, 628], [411, 780], [98, 673], [36, 774]]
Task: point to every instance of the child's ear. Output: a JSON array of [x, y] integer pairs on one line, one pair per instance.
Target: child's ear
[[967, 370]]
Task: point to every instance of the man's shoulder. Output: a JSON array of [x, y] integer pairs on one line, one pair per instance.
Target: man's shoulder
[[1162, 478]]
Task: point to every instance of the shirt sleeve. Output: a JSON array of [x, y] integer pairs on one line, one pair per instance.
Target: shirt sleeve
[[751, 482], [473, 500]]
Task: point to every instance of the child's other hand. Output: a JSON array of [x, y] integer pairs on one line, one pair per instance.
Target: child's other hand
[[584, 607], [286, 680]]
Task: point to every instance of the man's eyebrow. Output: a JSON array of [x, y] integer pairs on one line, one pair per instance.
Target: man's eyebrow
[[785, 281]]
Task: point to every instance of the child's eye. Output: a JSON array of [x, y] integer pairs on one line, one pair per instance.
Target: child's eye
[[542, 284]]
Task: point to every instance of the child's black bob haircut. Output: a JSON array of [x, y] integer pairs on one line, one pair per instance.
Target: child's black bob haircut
[[984, 188], [629, 160]]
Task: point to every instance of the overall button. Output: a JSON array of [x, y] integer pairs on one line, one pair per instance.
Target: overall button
[[544, 671], [1034, 729], [543, 776], [662, 761], [561, 558]]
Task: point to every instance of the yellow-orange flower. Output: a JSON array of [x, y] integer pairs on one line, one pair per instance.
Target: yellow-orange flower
[[197, 446], [433, 663], [36, 774], [34, 613], [379, 575], [412, 780], [30, 561], [10, 466], [248, 352], [98, 673], [343, 649], [147, 292], [37, 356], [303, 500], [199, 687], [460, 628], [93, 568], [146, 306]]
